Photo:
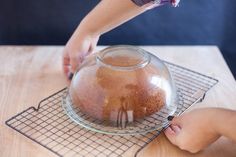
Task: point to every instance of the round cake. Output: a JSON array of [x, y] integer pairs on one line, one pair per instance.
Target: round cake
[[112, 95]]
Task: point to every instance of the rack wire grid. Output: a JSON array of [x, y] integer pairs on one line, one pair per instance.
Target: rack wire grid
[[49, 126]]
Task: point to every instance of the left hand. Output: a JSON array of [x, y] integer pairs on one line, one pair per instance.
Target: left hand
[[195, 130]]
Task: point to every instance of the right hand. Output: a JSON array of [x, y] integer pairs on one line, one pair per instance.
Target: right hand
[[80, 45]]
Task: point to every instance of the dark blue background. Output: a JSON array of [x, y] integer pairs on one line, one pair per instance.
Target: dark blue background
[[195, 22]]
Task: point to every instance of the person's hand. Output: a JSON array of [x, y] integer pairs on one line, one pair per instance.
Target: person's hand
[[81, 44], [106, 16], [193, 131]]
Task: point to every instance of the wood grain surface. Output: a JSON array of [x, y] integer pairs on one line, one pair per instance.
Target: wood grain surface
[[31, 73]]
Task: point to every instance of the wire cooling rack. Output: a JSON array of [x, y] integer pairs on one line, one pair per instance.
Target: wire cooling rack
[[50, 127], [147, 124]]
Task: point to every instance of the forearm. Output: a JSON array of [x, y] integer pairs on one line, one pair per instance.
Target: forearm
[[109, 14], [225, 121]]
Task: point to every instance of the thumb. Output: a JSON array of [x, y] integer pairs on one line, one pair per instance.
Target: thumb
[[176, 120], [173, 130], [75, 61]]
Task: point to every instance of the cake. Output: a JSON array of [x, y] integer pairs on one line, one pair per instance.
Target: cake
[[112, 95]]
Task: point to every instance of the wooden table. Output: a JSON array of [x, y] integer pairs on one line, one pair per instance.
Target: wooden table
[[31, 73]]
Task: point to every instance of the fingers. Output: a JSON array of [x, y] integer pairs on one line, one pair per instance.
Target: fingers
[[71, 63], [172, 133], [66, 63]]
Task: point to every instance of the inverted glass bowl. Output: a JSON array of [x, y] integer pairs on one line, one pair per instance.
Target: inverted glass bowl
[[121, 90]]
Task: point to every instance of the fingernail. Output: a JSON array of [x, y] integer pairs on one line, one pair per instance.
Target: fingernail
[[70, 76], [170, 118], [175, 128]]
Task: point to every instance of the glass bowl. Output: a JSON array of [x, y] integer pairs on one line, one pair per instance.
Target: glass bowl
[[121, 90]]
